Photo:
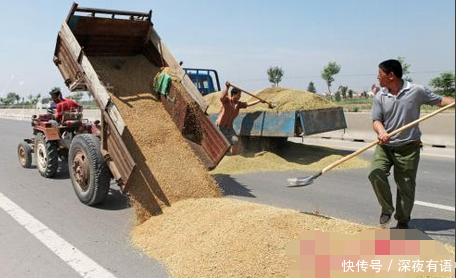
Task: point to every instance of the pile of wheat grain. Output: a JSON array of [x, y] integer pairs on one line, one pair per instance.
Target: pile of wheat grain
[[284, 99], [222, 237]]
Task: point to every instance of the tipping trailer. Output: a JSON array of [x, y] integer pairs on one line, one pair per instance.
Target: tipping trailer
[[88, 32]]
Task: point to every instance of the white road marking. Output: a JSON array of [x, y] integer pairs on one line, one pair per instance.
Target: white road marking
[[425, 204], [73, 257]]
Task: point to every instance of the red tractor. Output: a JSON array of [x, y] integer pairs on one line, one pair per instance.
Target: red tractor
[[74, 140]]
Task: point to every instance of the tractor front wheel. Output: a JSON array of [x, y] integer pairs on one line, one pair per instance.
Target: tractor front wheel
[[88, 171], [46, 156], [25, 155]]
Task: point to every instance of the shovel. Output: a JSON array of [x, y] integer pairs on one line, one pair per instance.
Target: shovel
[[270, 105], [303, 181]]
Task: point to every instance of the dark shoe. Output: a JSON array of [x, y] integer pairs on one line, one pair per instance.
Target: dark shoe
[[401, 225], [384, 219]]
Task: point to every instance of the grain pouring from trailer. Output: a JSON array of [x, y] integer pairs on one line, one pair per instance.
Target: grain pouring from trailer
[[89, 32]]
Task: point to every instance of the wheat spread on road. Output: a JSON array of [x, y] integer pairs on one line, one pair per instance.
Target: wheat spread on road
[[292, 156], [220, 237]]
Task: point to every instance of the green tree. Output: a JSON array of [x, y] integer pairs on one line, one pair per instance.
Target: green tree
[[331, 69], [343, 91], [312, 88], [36, 99], [33, 99], [365, 94], [11, 98], [76, 96], [29, 99], [405, 68], [338, 96], [445, 84], [350, 94], [275, 75]]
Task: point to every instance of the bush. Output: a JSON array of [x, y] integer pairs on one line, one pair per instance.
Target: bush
[[338, 96], [355, 109]]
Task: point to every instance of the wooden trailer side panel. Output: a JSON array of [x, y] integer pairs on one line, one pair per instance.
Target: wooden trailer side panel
[[78, 73]]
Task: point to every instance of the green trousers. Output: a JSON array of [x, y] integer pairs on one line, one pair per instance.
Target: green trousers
[[405, 160]]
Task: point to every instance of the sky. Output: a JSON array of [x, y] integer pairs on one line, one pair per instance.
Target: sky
[[241, 39]]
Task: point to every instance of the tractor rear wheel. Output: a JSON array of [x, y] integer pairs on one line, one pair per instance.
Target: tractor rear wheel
[[25, 155], [88, 170], [46, 156]]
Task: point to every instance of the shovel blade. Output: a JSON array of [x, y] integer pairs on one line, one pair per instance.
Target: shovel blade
[[300, 182]]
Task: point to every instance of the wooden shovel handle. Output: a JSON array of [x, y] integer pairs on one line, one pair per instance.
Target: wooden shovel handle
[[422, 119], [346, 158], [250, 94]]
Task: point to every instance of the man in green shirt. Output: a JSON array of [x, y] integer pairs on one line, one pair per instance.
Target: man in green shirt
[[397, 104]]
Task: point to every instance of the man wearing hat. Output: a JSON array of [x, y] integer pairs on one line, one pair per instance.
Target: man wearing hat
[[62, 105]]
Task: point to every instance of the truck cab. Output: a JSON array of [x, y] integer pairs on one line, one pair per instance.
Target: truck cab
[[205, 80]]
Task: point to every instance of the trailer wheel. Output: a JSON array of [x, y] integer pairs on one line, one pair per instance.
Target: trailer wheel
[[46, 156], [88, 171], [25, 155]]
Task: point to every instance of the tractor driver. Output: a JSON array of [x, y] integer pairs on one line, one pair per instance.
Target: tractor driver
[[62, 104]]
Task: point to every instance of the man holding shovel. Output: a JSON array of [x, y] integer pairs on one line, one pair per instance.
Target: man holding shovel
[[397, 104], [229, 111]]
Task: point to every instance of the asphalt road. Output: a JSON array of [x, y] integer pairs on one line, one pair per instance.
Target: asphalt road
[[102, 233], [349, 195]]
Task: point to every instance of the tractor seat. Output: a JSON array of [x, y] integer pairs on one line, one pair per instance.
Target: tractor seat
[[44, 117], [72, 123], [72, 119]]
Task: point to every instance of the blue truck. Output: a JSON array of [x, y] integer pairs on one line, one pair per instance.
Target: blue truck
[[205, 80], [273, 126]]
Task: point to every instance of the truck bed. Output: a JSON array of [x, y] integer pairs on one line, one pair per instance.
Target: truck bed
[[288, 123]]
